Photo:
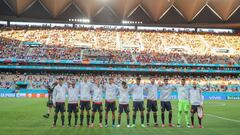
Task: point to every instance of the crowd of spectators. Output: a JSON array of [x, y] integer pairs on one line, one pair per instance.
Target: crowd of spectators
[[40, 81], [118, 46]]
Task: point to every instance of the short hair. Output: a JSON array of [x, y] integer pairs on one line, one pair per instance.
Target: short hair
[[124, 83], [184, 79], [165, 79], [138, 78], [110, 78], [60, 78]]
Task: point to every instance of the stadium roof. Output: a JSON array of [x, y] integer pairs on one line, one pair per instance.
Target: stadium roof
[[114, 11]]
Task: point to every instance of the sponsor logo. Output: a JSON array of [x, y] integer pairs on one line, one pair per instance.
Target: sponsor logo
[[20, 95], [233, 97], [11, 95], [215, 98]]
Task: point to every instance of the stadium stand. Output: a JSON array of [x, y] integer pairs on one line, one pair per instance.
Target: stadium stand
[[119, 46]]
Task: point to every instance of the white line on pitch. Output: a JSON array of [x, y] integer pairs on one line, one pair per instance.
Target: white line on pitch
[[211, 115]]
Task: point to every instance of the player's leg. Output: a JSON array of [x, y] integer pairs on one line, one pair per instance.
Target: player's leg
[[179, 115], [199, 120], [134, 118], [142, 119], [62, 110], [75, 118], [92, 119], [119, 119], [149, 108], [127, 114], [155, 109], [55, 117], [82, 107], [81, 117], [75, 110], [100, 110], [88, 108], [193, 111], [120, 111], [186, 109], [69, 114], [141, 108], [170, 118], [49, 106], [113, 108], [169, 109], [107, 109], [62, 118], [135, 109], [163, 108], [49, 110], [94, 109], [47, 114]]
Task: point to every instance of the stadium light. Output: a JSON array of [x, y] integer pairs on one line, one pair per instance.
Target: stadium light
[[131, 22]]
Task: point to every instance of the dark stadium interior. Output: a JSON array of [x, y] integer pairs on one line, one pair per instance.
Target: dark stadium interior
[[195, 13], [141, 64]]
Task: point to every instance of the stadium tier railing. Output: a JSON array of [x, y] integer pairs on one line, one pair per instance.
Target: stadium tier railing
[[117, 69], [13, 60]]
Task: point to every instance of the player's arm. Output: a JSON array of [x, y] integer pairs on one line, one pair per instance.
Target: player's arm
[[189, 93], [118, 88], [159, 86], [131, 88], [54, 96], [146, 88], [104, 86], [174, 87], [90, 85], [79, 88], [65, 90], [201, 98]]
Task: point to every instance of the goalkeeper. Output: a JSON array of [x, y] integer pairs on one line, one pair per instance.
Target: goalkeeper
[[183, 103]]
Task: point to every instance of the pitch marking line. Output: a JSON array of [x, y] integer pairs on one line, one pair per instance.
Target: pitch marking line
[[211, 115]]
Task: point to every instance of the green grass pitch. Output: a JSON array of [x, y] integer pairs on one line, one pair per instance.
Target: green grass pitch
[[24, 117]]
